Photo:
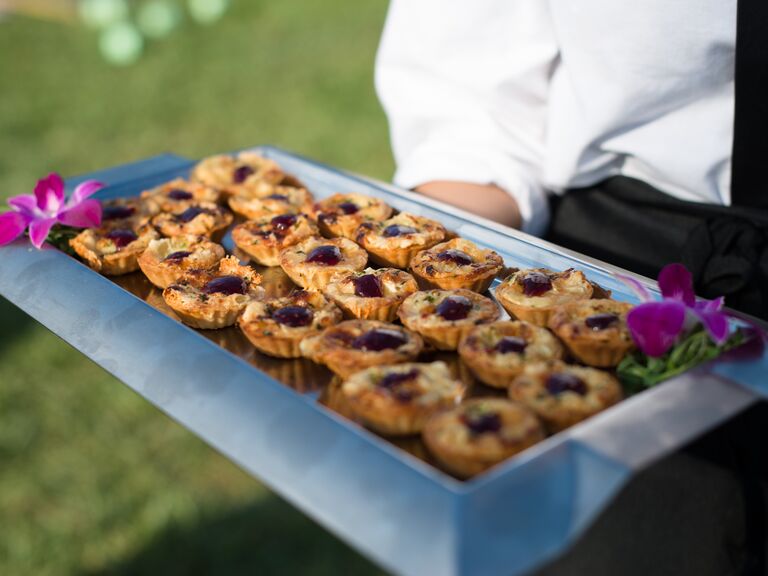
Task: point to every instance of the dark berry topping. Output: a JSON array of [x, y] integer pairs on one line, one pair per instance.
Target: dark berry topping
[[601, 321], [281, 197], [121, 238], [225, 285], [393, 382], [564, 382], [368, 286], [510, 344], [191, 213], [325, 255], [117, 212], [241, 174], [178, 194], [379, 339], [481, 422], [282, 223], [536, 284], [176, 256], [455, 256], [293, 316], [454, 308], [348, 207], [397, 230]]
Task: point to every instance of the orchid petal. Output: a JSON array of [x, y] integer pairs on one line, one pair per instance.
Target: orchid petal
[[39, 229], [655, 326], [86, 214], [716, 324], [85, 190], [637, 287], [12, 225], [24, 203], [49, 193], [709, 306], [676, 283]]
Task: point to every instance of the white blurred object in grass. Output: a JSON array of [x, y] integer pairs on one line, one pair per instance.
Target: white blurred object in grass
[[207, 11], [121, 43], [102, 13], [157, 18]]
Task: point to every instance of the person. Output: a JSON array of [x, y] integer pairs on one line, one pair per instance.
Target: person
[[606, 126]]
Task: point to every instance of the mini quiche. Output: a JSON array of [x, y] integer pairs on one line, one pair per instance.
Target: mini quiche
[[444, 317], [372, 294], [479, 434], [167, 259], [315, 262], [125, 213], [281, 200], [203, 218], [214, 298], [498, 352], [594, 331], [264, 239], [562, 394], [532, 294], [113, 251], [178, 195], [276, 326], [398, 400], [247, 173], [342, 214], [396, 241], [354, 345], [457, 263]]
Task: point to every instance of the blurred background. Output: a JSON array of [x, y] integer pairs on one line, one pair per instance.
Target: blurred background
[[93, 480]]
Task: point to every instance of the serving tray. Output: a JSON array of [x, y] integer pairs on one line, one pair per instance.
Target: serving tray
[[269, 416]]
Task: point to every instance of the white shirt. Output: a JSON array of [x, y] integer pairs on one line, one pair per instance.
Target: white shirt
[[536, 95]]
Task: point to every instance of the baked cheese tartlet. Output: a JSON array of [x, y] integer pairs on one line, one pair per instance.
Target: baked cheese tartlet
[[563, 394], [247, 173], [398, 400], [113, 251], [281, 200], [455, 264], [532, 294], [276, 326], [354, 345], [372, 294], [178, 195], [479, 434], [167, 259], [396, 241], [125, 213], [203, 219], [444, 317], [342, 214], [214, 298], [498, 352], [594, 331], [315, 262], [263, 239]]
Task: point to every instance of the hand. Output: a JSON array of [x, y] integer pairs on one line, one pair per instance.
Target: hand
[[486, 200]]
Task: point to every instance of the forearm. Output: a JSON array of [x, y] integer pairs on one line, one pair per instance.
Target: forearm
[[486, 200]]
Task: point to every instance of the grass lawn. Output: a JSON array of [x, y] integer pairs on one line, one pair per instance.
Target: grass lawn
[[93, 480]]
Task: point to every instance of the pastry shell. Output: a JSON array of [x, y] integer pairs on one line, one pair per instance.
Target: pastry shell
[[317, 276], [163, 271], [126, 213], [433, 270], [336, 217], [177, 195], [282, 200], [263, 240], [203, 219], [101, 249], [219, 172], [397, 251], [395, 285]]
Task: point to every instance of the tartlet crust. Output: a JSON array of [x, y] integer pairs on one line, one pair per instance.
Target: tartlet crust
[[432, 272], [567, 286], [126, 213], [404, 407], [397, 251], [280, 340], [317, 276], [418, 312], [602, 348], [466, 453], [479, 350], [263, 241], [333, 347], [167, 196], [562, 410], [104, 255], [396, 286], [334, 220], [281, 200], [211, 219], [217, 310], [163, 272], [219, 172]]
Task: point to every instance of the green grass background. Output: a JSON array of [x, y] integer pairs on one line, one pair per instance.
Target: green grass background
[[93, 480]]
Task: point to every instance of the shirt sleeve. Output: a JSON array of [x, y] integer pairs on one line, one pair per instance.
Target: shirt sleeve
[[464, 85]]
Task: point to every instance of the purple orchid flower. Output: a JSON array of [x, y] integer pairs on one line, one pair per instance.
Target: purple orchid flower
[[46, 207], [656, 325]]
